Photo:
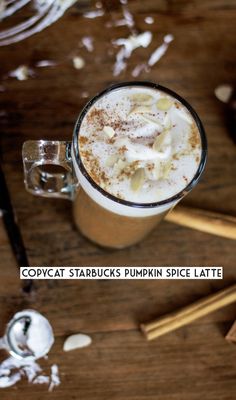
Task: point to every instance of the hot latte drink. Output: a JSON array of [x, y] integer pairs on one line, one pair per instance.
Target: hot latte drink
[[139, 146]]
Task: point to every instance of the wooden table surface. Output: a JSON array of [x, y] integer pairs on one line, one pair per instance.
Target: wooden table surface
[[193, 362]]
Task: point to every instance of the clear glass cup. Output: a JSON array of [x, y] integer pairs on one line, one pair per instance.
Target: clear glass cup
[[101, 217]]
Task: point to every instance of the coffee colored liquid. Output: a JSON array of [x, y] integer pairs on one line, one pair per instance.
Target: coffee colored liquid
[[107, 228]]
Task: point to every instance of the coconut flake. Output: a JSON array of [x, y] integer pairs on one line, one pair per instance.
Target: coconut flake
[[41, 379], [45, 63], [109, 131], [2, 8], [12, 370], [77, 341], [22, 73], [161, 50], [128, 17], [55, 379], [149, 20], [7, 381], [87, 42], [93, 14], [78, 62], [128, 46], [138, 69], [118, 22], [224, 92]]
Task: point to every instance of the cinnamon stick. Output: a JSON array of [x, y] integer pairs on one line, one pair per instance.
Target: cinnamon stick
[[206, 221], [231, 335], [189, 314]]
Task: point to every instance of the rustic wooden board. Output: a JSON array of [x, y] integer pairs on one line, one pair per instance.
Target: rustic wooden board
[[192, 362]]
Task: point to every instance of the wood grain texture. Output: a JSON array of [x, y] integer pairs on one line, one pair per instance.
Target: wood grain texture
[[195, 361]]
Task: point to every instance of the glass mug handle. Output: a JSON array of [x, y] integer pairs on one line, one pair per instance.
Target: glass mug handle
[[38, 181]]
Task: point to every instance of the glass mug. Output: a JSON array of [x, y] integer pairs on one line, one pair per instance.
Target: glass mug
[[101, 217]]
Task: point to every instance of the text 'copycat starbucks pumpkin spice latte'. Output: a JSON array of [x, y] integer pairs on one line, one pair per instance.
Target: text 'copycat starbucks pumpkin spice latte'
[[137, 149]]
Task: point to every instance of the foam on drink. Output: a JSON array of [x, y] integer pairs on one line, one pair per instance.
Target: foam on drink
[[140, 144]]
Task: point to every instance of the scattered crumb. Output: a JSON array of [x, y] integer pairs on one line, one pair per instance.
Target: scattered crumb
[[12, 370], [78, 62]]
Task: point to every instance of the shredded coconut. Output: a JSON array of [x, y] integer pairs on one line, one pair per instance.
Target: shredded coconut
[[87, 42], [55, 380], [45, 63], [94, 14], [138, 69], [128, 46], [42, 379], [2, 8], [21, 73], [128, 17], [118, 22], [161, 50], [224, 92], [12, 370]]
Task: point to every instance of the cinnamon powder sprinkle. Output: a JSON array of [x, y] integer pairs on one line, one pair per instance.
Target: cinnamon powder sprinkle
[[129, 170], [177, 105], [150, 167], [175, 156], [122, 150], [194, 139], [83, 140]]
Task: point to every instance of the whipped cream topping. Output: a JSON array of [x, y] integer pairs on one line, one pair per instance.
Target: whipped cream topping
[[140, 144]]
